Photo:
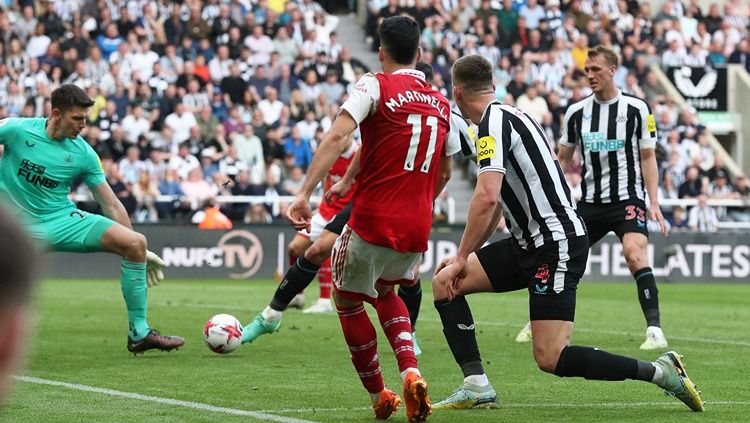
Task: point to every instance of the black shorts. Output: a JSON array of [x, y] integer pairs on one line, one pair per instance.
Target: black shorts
[[620, 218], [550, 273], [336, 225]]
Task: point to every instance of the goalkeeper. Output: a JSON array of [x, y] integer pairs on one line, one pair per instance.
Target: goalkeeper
[[41, 157]]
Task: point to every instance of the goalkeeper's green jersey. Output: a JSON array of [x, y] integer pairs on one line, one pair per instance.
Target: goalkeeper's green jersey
[[36, 171]]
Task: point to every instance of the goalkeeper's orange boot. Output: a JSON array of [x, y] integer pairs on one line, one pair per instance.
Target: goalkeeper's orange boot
[[417, 401], [387, 405]]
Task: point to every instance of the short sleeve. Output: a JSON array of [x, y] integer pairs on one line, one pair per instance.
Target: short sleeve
[[493, 141], [648, 128], [8, 127], [568, 131], [93, 174], [364, 98], [461, 138]]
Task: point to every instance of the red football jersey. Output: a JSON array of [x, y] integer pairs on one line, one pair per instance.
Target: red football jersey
[[330, 209], [403, 141]]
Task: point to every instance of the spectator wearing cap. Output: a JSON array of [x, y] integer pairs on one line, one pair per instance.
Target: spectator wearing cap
[[720, 189]]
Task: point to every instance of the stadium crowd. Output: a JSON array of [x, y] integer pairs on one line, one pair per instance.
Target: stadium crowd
[[203, 98]]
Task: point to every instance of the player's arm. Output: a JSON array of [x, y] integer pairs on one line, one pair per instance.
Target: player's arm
[[333, 145], [649, 167], [111, 205], [568, 138], [483, 213]]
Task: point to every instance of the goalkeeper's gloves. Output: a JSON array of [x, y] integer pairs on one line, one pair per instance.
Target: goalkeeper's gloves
[[154, 269]]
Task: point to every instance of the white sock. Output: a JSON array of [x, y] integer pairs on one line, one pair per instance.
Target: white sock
[[374, 397], [478, 380], [410, 369], [271, 315], [658, 375]]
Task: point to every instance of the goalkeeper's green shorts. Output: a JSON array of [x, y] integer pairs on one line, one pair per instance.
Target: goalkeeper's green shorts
[[70, 230]]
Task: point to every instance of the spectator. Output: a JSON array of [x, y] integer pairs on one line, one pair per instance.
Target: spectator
[[742, 192], [146, 192], [184, 162], [331, 88], [135, 125], [131, 166], [233, 86], [212, 217], [693, 186], [270, 106], [180, 122], [299, 148], [196, 189], [293, 183], [703, 218]]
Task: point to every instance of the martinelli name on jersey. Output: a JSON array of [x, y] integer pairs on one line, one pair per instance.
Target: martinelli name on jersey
[[415, 96]]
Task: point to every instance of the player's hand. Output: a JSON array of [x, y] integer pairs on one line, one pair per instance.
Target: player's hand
[[451, 272], [654, 213], [299, 214], [154, 269], [339, 189]]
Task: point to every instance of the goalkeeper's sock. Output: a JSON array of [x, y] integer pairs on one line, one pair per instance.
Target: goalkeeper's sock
[[133, 284]]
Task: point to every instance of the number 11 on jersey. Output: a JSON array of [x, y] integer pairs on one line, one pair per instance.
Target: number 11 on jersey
[[416, 131]]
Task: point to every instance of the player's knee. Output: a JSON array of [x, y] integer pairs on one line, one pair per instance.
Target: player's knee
[[439, 290], [635, 258], [546, 358], [316, 254], [135, 246]]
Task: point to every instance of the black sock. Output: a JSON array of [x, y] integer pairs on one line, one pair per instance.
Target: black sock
[[648, 295], [458, 327], [412, 297], [297, 278], [593, 363]]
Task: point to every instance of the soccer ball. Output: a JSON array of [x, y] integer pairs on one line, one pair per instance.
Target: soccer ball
[[223, 333]]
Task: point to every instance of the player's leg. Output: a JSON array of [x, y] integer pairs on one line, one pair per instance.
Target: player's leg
[[634, 235], [491, 269], [297, 278], [598, 224], [355, 268], [296, 248], [411, 295], [105, 235], [400, 268], [552, 312]]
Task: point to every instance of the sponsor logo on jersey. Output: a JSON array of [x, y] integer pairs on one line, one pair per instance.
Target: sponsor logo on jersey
[[597, 141], [486, 148], [650, 123], [621, 118], [34, 174]]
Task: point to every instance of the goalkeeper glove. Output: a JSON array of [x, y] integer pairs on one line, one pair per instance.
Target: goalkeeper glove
[[154, 269]]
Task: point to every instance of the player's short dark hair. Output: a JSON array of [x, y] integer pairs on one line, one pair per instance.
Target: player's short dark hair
[[607, 53], [17, 259], [472, 73], [426, 69], [68, 96], [399, 36]]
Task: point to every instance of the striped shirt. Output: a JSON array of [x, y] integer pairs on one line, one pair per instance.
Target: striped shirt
[[535, 197], [611, 135]]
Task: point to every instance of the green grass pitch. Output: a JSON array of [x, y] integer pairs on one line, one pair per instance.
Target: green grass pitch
[[303, 373]]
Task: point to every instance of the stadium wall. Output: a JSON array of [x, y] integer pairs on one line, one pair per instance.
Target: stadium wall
[[259, 251]]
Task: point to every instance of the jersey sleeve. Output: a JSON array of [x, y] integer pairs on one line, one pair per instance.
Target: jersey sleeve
[[493, 141], [461, 138], [648, 128], [93, 174], [364, 98], [8, 129], [568, 131]]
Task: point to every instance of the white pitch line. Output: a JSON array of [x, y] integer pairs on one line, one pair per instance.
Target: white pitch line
[[260, 415], [502, 324], [602, 405]]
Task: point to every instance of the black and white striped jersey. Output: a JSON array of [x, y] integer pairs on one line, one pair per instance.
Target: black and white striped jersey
[[611, 135], [535, 197]]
